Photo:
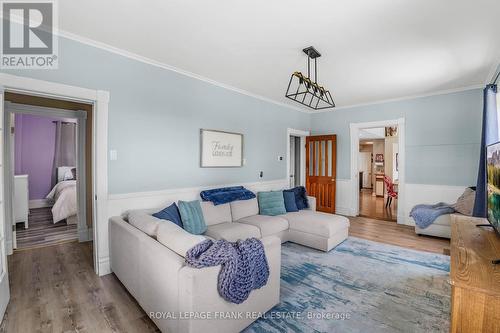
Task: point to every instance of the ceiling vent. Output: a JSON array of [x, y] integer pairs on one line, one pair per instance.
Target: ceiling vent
[[302, 89]]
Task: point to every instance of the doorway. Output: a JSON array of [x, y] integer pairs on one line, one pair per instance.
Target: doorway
[[377, 169], [377, 199], [45, 172], [295, 157]]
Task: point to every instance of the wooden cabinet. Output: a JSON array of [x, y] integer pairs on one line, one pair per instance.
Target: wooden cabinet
[[475, 280], [379, 185]]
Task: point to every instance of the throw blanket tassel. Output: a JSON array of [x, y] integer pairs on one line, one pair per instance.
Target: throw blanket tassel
[[244, 265]]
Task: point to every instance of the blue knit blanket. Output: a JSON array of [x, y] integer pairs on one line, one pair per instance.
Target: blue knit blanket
[[425, 215], [224, 195], [244, 265]]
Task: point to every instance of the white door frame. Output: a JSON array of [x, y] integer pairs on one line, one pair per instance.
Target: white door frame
[[84, 234], [100, 100], [302, 134], [355, 127]]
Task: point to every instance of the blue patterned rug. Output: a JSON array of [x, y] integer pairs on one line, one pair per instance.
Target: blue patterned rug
[[360, 286]]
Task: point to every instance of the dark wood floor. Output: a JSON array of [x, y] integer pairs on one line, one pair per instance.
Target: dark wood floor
[[42, 231], [396, 234], [374, 207], [54, 289]]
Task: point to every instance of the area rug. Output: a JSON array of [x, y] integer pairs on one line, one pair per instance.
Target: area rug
[[360, 286]]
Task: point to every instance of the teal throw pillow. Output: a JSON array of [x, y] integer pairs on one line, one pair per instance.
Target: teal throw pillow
[[271, 203], [192, 217]]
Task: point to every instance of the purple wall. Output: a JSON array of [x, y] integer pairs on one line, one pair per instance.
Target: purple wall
[[34, 141]]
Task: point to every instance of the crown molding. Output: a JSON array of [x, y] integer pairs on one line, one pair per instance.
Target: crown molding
[[146, 60], [492, 73], [405, 98]]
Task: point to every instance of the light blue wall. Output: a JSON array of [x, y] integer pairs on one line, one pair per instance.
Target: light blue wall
[[442, 135], [155, 116]]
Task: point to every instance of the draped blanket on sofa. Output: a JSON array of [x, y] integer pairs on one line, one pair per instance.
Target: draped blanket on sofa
[[244, 265], [224, 195]]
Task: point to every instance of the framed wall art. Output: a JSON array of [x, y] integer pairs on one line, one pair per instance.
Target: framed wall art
[[219, 149]]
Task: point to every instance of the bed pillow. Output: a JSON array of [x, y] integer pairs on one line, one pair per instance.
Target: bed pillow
[[290, 204], [170, 213], [192, 217], [300, 197], [271, 203]]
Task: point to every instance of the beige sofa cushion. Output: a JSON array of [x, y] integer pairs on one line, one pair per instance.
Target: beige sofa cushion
[[232, 231], [316, 223], [215, 214], [145, 222], [176, 238], [268, 225], [244, 208]]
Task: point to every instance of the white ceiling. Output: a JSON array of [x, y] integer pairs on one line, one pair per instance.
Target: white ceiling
[[372, 50]]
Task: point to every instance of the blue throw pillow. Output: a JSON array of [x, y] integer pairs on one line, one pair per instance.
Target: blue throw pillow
[[271, 203], [192, 217], [171, 213], [300, 197], [290, 204]]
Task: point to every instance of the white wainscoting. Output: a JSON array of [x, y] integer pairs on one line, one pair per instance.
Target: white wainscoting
[[428, 194], [120, 203], [415, 194], [343, 198]]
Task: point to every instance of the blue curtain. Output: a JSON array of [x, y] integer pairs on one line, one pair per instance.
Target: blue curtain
[[489, 136]]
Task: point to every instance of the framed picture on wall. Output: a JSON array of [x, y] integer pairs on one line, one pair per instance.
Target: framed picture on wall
[[379, 158], [219, 149]]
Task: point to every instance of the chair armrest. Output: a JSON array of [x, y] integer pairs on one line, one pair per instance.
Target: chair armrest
[[312, 202]]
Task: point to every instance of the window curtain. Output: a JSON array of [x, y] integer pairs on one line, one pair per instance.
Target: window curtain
[[65, 147], [489, 135]]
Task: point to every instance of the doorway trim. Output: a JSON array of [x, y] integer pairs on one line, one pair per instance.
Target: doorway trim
[[354, 129], [302, 134], [100, 102], [83, 231]]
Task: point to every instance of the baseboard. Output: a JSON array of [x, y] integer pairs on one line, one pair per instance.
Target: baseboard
[[344, 211], [40, 203], [104, 266], [85, 234]]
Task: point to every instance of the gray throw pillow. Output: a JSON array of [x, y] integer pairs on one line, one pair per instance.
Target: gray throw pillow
[[465, 203]]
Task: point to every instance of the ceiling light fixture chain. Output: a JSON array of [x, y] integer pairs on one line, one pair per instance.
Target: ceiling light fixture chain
[[307, 92]]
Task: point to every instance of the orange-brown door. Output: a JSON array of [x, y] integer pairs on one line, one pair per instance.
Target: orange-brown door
[[321, 170]]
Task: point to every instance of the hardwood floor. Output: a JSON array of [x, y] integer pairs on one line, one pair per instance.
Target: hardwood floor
[[374, 207], [42, 231], [396, 234], [54, 289]]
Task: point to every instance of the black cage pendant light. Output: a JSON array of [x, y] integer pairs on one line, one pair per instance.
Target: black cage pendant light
[[302, 89]]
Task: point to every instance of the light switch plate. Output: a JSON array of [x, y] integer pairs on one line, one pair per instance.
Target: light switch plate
[[113, 155]]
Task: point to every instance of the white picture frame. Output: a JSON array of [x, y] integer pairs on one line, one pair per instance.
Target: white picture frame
[[220, 149]]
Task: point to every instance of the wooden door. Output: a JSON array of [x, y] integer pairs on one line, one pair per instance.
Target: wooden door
[[321, 170]]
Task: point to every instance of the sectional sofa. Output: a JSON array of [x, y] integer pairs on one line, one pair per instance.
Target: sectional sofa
[[147, 255]]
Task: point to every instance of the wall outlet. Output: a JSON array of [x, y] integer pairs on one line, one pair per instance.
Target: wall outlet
[[244, 162], [280, 158], [261, 174], [113, 155]]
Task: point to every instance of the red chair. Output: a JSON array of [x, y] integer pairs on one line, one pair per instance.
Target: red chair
[[389, 185]]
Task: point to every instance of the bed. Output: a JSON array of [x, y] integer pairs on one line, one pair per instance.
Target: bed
[[64, 197]]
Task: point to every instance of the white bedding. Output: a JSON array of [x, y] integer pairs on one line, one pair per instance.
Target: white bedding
[[64, 197]]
